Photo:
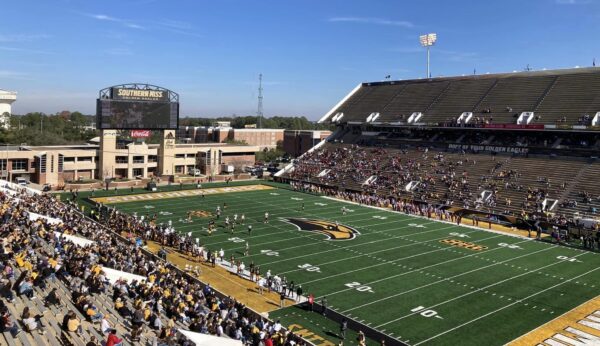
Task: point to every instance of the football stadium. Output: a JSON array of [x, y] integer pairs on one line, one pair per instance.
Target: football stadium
[[445, 210]]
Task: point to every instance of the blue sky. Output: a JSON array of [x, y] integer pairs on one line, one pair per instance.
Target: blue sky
[[57, 54]]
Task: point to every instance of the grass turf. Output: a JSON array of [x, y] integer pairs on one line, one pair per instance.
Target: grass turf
[[396, 276]]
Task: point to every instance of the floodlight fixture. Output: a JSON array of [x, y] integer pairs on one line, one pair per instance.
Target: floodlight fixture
[[427, 41]]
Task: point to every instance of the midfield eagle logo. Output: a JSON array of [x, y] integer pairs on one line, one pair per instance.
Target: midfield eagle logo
[[329, 229], [201, 213]]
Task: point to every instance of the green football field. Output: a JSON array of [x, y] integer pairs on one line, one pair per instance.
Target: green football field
[[416, 280]]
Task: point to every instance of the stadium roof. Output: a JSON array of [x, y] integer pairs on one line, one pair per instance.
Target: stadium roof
[[555, 72]]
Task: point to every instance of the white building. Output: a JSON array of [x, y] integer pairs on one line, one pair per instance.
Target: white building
[[6, 100]]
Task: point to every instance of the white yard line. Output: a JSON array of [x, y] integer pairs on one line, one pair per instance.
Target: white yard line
[[387, 262], [186, 203], [423, 217], [304, 245], [505, 307], [430, 266], [352, 246], [242, 231], [184, 227], [482, 288]]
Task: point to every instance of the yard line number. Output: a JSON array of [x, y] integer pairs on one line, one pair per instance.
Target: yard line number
[[426, 312], [359, 287], [510, 246], [568, 259], [309, 268]]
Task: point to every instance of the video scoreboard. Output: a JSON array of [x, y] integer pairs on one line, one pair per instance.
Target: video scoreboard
[[132, 107]]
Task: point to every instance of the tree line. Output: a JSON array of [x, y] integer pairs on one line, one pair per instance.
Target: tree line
[[42, 129], [277, 122], [74, 127]]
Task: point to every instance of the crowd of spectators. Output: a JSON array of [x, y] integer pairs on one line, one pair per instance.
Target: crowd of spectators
[[439, 178], [166, 299]]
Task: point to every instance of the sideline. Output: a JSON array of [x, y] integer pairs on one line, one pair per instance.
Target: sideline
[[426, 218]]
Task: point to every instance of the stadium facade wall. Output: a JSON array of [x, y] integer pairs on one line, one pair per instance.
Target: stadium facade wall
[[57, 165]]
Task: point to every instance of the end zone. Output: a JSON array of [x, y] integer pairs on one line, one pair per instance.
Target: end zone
[[580, 326], [176, 194]]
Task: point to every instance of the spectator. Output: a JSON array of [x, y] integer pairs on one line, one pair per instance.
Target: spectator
[[105, 326], [93, 342], [112, 339], [32, 323], [52, 298], [7, 325]]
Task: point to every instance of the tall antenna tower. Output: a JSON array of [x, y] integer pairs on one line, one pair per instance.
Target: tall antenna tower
[[259, 112]]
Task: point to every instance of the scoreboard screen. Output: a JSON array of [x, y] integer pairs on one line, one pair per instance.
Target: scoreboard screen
[[129, 114]]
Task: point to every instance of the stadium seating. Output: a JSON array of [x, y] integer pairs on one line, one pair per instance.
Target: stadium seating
[[73, 274], [570, 99], [555, 97], [414, 97], [511, 96], [461, 96], [516, 185]]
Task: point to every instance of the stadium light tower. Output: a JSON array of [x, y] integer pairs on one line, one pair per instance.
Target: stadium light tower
[[428, 41]]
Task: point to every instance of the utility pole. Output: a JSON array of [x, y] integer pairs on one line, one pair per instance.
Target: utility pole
[[259, 112]]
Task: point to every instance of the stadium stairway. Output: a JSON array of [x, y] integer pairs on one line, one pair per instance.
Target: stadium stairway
[[460, 96], [587, 182], [413, 98], [509, 98], [571, 98]]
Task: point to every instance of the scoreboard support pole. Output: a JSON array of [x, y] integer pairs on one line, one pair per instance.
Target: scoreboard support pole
[[166, 155], [107, 154]]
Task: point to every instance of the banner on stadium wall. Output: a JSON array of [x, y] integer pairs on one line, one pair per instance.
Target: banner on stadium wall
[[140, 133], [201, 339], [514, 126], [493, 148], [76, 240], [564, 127]]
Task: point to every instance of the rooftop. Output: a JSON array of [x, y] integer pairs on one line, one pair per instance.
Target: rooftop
[[555, 72]]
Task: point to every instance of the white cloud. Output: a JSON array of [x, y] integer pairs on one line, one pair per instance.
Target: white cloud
[[104, 17], [175, 24], [134, 26], [22, 37], [7, 74], [125, 22], [371, 20], [24, 50], [573, 2], [177, 27], [119, 51]]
